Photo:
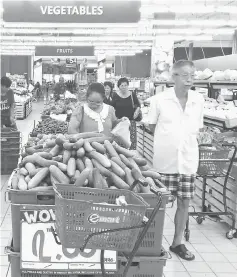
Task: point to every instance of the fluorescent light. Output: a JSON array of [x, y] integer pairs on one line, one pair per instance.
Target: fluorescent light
[[68, 25], [192, 31], [183, 38], [72, 39], [200, 22], [188, 9], [76, 31], [122, 47], [17, 47], [119, 54], [101, 44]]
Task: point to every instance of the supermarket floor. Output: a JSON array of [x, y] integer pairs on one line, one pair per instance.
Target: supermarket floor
[[216, 256]]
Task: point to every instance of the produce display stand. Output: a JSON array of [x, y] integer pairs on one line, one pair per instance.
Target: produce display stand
[[212, 163], [20, 110], [145, 142], [223, 124], [11, 143], [23, 109], [28, 106], [79, 263], [33, 217]]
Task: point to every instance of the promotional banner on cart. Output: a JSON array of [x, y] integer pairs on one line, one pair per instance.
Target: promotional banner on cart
[[41, 254], [72, 11]]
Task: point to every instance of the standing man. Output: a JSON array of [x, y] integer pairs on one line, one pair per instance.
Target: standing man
[[7, 104], [59, 89], [175, 117]]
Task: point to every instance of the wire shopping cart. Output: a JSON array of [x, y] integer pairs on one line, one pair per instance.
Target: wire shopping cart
[[73, 231], [214, 161]]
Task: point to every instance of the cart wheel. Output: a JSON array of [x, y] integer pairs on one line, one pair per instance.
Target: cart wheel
[[230, 234], [199, 220], [187, 235]]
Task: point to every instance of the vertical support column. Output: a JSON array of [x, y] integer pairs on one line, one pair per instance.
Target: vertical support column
[[32, 66], [101, 58], [190, 51], [234, 47]]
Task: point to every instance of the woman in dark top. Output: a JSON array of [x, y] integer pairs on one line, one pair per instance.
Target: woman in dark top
[[126, 104], [108, 92]]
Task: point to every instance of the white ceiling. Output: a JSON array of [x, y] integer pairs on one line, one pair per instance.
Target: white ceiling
[[206, 20]]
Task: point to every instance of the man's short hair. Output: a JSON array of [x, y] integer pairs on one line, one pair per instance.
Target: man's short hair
[[181, 63], [6, 82]]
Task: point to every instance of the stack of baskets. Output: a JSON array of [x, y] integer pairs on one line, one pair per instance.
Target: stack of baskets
[[10, 150]]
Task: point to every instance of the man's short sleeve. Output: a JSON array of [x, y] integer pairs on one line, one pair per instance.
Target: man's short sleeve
[[154, 111]]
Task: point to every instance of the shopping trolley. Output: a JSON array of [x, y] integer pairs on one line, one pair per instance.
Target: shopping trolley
[[134, 224], [214, 161]]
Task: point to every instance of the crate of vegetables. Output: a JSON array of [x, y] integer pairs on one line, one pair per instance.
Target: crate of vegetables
[[50, 126], [90, 160]]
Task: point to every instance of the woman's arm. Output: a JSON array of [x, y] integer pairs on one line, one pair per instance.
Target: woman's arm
[[137, 103], [75, 121]]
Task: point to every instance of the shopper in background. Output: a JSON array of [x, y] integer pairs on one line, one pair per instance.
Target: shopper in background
[[126, 104], [7, 104], [175, 117], [45, 90], [59, 89], [37, 90], [108, 92], [94, 115]]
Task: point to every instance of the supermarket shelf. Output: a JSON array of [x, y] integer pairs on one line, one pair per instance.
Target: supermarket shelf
[[221, 123], [215, 85], [210, 85], [202, 84]]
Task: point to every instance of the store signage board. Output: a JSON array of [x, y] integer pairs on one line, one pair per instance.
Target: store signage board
[[40, 254], [64, 51], [72, 11]]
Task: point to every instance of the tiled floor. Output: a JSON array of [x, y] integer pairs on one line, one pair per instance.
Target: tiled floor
[[216, 256]]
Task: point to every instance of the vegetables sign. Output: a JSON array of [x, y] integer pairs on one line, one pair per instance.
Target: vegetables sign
[[72, 11], [40, 254]]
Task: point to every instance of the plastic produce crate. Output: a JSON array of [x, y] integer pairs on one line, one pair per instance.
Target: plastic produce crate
[[14, 259], [142, 267], [17, 198], [9, 160]]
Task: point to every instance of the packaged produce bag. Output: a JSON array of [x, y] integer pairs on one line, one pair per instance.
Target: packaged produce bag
[[121, 133]]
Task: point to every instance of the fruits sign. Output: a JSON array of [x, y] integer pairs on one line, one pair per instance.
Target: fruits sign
[[65, 51]]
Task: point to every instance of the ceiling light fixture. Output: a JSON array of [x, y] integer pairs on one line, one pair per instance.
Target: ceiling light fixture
[[193, 9], [207, 22], [102, 38]]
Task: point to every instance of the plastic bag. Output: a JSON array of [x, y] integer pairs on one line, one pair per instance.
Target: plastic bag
[[121, 133]]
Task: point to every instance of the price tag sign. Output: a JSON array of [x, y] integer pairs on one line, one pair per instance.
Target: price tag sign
[[40, 254]]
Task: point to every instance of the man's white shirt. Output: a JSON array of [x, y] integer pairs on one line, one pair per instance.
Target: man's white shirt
[[175, 137]]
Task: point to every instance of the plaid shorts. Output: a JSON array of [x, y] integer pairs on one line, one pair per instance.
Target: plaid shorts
[[180, 185]]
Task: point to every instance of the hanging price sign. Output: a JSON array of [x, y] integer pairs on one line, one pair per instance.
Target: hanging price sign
[[40, 254]]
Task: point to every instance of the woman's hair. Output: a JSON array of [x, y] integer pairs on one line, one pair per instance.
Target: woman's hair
[[122, 80], [96, 87], [109, 84], [6, 82]]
